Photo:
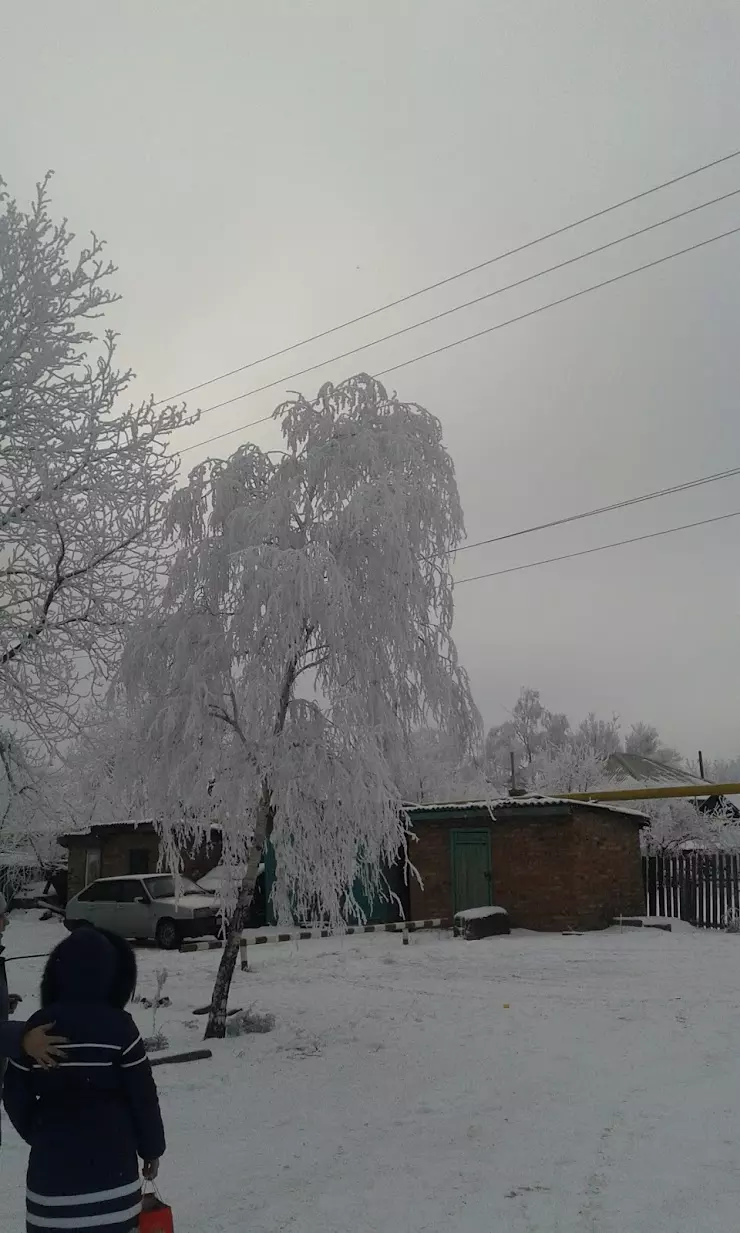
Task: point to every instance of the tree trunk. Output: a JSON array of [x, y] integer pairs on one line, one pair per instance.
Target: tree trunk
[[216, 1026], [220, 1001]]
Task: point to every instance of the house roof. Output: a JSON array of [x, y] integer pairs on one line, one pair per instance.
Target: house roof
[[95, 829], [508, 803], [648, 772]]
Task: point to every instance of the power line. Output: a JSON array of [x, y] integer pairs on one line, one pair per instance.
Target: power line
[[533, 312], [605, 509], [586, 552], [575, 295], [443, 282], [479, 299], [219, 436]]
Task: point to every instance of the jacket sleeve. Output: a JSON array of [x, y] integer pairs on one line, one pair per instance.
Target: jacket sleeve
[[140, 1092], [20, 1098], [11, 1036]]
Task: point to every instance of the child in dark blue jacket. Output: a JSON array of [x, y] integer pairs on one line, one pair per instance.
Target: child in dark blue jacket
[[89, 1120]]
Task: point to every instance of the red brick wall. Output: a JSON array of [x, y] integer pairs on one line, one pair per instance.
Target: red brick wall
[[533, 871], [431, 857], [608, 867], [575, 870]]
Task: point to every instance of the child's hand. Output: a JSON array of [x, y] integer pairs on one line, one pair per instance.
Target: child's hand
[[150, 1170]]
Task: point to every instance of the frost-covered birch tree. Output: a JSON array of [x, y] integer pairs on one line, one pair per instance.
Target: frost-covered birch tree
[[101, 772], [83, 474], [33, 809], [305, 632]]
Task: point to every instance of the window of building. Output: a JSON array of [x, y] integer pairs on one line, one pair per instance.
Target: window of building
[[138, 860]]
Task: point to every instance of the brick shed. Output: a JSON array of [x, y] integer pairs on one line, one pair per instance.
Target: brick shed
[[114, 849], [552, 863]]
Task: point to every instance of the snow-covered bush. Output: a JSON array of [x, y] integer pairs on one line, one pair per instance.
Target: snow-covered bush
[[676, 824], [249, 1022]]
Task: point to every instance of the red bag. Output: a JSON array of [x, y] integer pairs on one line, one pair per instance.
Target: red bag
[[156, 1216]]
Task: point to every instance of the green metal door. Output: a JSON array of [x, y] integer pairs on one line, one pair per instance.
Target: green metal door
[[471, 870]]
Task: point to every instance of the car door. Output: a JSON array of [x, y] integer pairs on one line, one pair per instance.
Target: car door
[[134, 910], [96, 903], [107, 906]]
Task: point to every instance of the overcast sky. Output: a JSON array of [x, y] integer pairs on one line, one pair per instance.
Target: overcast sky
[[264, 169]]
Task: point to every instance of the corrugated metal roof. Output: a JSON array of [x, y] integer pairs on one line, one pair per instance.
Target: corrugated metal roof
[[93, 828], [634, 768], [122, 825], [501, 804]]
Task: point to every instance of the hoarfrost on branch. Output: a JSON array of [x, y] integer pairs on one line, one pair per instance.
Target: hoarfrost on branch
[[305, 632], [83, 478]]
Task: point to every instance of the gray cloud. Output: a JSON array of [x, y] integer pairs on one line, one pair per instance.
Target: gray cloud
[[262, 171]]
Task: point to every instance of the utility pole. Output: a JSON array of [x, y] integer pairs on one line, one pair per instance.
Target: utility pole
[[701, 765], [513, 790]]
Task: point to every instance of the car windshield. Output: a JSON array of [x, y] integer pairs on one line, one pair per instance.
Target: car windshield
[[165, 888]]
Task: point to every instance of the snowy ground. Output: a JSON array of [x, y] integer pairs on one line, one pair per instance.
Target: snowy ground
[[526, 1083]]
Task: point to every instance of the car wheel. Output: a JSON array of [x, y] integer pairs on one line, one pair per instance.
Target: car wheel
[[168, 935]]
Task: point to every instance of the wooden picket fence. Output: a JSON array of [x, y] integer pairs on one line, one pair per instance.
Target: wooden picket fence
[[701, 889]]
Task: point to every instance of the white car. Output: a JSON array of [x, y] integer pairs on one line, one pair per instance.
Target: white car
[[146, 908]]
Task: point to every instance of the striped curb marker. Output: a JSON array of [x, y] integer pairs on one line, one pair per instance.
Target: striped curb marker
[[305, 935]]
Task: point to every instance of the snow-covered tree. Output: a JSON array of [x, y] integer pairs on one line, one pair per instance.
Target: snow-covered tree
[[531, 729], [534, 731], [721, 770], [574, 767], [437, 769], [644, 739], [33, 809], [83, 475], [101, 775], [304, 634], [601, 736], [676, 822]]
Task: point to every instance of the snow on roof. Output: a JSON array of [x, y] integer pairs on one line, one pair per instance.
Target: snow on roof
[[649, 773], [90, 828], [87, 828], [524, 802]]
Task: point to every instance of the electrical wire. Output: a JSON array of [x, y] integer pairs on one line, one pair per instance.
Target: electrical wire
[[575, 295], [586, 552], [533, 312], [479, 299], [443, 282], [605, 509]]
